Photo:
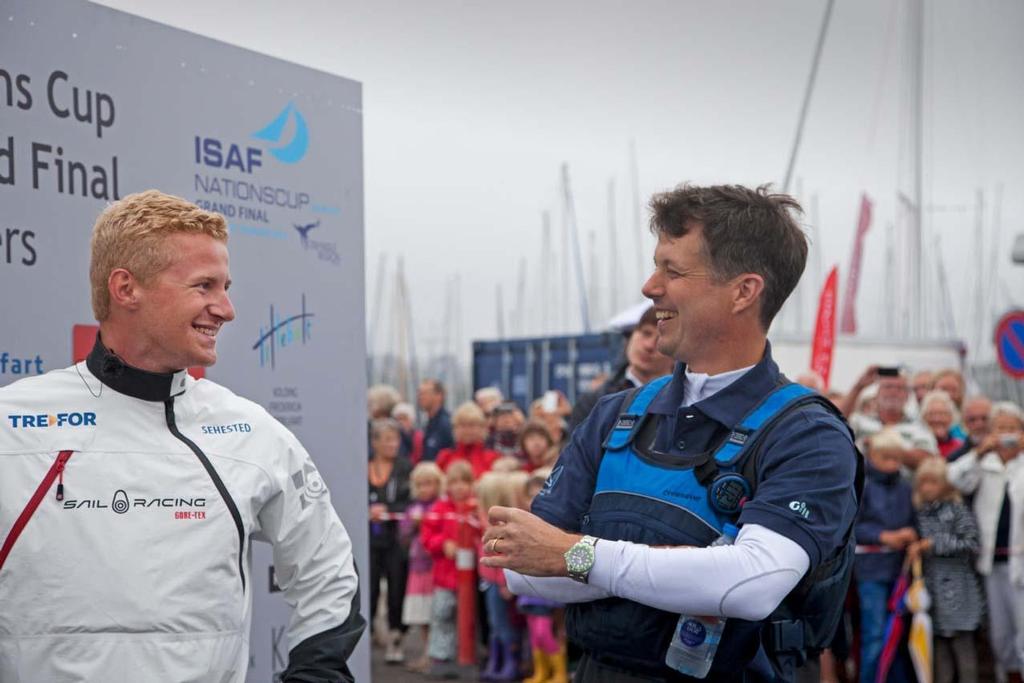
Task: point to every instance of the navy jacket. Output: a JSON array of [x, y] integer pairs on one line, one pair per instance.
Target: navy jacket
[[887, 506], [437, 435]]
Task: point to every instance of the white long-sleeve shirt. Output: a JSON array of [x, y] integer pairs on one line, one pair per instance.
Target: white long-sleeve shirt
[[746, 580]]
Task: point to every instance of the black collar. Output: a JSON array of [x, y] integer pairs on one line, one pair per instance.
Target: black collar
[[125, 379]]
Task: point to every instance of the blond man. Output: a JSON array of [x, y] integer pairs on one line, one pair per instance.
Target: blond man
[[131, 493]]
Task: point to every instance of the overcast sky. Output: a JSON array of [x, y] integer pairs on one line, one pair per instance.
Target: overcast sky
[[471, 107]]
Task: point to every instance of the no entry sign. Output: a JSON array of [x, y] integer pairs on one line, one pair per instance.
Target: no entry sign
[[1009, 342]]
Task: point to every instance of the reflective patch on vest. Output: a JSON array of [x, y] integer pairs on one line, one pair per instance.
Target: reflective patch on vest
[[728, 492], [627, 421], [738, 438]]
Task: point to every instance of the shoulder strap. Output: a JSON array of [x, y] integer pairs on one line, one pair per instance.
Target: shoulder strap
[[632, 414], [762, 418]]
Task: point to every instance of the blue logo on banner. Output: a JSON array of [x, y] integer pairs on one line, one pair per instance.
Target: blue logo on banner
[[293, 151], [282, 333]]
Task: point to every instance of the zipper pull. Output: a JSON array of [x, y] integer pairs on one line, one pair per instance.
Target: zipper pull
[[61, 460]]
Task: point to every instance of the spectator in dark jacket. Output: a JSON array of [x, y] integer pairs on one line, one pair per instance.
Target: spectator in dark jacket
[[885, 527], [643, 363], [437, 433]]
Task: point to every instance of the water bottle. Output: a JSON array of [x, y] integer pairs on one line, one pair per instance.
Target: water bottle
[[696, 638]]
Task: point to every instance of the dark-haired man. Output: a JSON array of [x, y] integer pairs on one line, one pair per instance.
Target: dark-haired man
[[643, 363], [670, 468], [437, 432]]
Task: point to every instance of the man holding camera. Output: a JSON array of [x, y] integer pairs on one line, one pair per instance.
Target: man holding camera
[[891, 401]]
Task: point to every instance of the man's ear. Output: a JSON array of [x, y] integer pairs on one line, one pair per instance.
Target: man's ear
[[124, 289], [747, 290]]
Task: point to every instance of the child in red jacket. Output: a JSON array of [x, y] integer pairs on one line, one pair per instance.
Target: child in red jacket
[[450, 524], [469, 426]]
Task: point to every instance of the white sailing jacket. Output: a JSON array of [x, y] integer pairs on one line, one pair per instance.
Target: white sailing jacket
[[128, 501]]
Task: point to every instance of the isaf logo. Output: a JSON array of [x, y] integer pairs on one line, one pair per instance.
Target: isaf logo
[[309, 484], [49, 420]]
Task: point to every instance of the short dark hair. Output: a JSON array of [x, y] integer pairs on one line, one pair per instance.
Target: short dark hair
[[744, 231], [435, 385]]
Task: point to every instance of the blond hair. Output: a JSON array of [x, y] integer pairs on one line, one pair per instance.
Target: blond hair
[[424, 471], [538, 478], [495, 488], [459, 470], [131, 234], [468, 413], [382, 399], [506, 464], [888, 439], [935, 467]]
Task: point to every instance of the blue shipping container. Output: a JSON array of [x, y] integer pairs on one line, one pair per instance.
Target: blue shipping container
[[525, 368]]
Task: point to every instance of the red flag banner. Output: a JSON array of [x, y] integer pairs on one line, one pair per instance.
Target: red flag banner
[[848, 325], [825, 328]]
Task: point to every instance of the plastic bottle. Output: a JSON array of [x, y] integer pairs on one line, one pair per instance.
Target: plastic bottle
[[696, 638]]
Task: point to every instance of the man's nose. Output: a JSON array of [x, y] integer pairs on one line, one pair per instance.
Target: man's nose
[[652, 289], [224, 308]]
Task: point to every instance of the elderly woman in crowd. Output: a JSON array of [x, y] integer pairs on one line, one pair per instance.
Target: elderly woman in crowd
[[994, 473], [953, 383], [940, 414]]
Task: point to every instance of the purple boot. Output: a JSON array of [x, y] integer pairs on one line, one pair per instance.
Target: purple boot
[[494, 662], [509, 670]]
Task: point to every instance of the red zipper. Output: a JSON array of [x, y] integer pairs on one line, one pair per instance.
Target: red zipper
[[56, 470]]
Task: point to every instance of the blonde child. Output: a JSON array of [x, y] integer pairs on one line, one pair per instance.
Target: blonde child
[[507, 464], [450, 524], [470, 429], [495, 488], [549, 656], [884, 529], [949, 542], [427, 486]]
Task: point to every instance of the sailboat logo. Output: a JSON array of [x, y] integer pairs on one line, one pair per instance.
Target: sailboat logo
[[293, 151]]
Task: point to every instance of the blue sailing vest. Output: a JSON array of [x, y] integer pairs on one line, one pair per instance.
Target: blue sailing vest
[[653, 498]]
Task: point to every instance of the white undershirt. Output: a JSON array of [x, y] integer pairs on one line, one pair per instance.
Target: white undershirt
[[746, 580]]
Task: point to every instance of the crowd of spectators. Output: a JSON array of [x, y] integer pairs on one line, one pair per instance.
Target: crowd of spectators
[[944, 490]]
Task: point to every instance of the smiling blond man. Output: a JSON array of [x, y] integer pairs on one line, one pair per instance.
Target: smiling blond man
[[127, 521]]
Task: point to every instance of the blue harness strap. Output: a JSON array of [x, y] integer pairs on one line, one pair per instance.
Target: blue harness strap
[[632, 417], [775, 404]]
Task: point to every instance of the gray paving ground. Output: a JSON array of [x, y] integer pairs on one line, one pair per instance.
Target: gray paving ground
[[397, 673]]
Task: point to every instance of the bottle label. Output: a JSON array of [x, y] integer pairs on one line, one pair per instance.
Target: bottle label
[[692, 633]]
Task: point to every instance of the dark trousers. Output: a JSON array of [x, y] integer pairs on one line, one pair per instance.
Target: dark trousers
[[390, 563]]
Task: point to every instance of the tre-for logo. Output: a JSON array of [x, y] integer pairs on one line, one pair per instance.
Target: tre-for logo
[[58, 420]]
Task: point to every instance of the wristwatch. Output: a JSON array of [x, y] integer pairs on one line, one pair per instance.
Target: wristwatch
[[579, 559]]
